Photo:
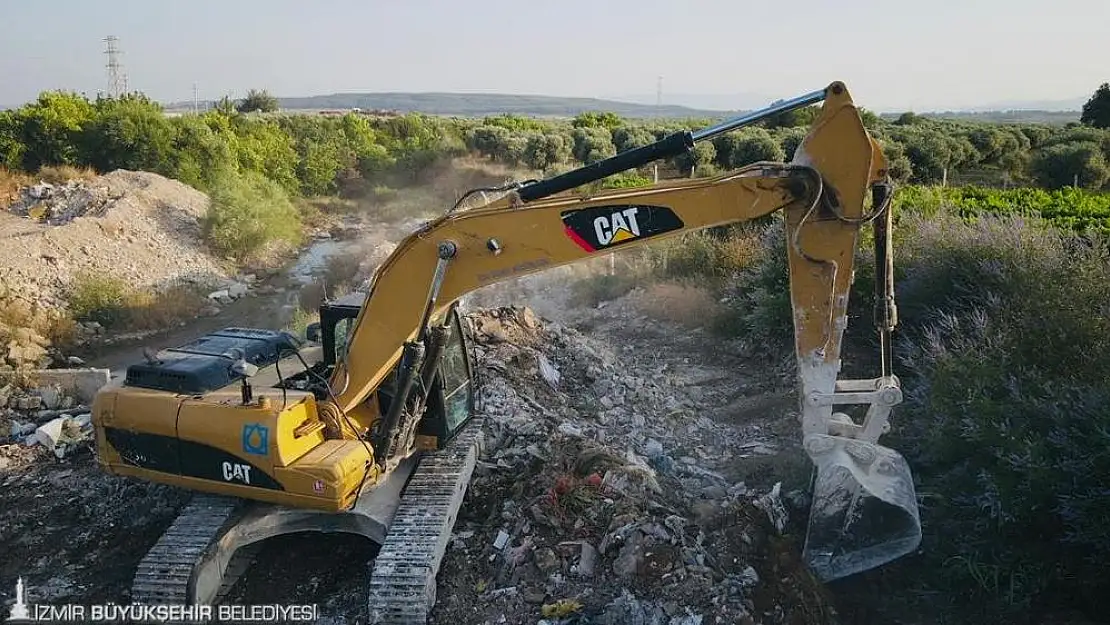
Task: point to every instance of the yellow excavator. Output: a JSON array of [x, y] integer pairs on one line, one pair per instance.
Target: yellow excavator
[[366, 426]]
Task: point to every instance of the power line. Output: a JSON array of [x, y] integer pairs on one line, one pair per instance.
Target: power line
[[117, 80]]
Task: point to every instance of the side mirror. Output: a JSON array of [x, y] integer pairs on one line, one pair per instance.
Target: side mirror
[[312, 332]]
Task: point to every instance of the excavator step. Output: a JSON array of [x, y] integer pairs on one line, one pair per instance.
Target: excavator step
[[403, 580], [165, 573]]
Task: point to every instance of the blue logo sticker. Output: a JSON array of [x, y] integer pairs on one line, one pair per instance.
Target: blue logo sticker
[[256, 439]]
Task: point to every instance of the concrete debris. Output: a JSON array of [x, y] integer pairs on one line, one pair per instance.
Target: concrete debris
[[231, 292], [771, 503], [548, 371], [749, 577], [587, 560], [64, 434], [612, 475], [59, 204], [570, 429]]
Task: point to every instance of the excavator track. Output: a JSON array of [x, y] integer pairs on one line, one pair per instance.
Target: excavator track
[[403, 580], [165, 574]]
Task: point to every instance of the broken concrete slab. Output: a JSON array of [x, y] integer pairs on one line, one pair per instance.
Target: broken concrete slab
[[48, 434], [81, 384]]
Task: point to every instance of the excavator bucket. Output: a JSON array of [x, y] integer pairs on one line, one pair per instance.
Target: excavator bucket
[[864, 511]]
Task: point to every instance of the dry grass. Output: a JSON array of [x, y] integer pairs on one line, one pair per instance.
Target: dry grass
[[12, 181], [61, 174], [148, 310], [323, 212], [10, 184]]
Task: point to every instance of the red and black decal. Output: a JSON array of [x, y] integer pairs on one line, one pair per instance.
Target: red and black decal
[[600, 227]]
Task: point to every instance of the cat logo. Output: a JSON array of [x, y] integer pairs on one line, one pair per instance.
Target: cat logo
[[237, 472], [600, 227], [618, 227]]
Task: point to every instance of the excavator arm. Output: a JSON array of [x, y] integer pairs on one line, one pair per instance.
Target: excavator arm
[[823, 193]]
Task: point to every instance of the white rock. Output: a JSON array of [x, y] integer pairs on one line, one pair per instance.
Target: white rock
[[570, 429], [48, 433], [219, 295], [237, 290], [548, 371], [749, 577]]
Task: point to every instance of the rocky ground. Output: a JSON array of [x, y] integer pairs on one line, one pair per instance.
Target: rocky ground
[[623, 493]]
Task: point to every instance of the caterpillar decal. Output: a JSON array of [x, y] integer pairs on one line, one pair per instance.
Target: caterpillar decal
[[600, 227]]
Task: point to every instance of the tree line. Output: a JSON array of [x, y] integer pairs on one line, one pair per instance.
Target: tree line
[[315, 154], [252, 157]]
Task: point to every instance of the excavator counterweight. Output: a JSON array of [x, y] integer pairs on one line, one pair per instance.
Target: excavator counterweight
[[368, 429]]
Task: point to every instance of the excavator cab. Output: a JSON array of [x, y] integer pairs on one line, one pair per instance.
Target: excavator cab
[[451, 399]]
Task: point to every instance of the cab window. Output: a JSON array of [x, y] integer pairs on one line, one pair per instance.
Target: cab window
[[342, 335], [456, 379]]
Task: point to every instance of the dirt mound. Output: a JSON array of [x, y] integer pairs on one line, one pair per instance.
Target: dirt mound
[[136, 226]]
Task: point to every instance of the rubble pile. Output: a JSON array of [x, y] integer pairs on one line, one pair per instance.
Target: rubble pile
[[43, 417], [138, 227], [602, 498], [58, 204]]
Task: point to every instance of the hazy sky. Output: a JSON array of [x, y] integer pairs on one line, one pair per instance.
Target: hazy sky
[[893, 55]]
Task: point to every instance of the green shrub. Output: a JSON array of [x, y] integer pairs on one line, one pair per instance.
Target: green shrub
[[248, 212], [627, 180], [1004, 327], [1074, 209], [114, 303], [758, 295], [1005, 331], [99, 298]]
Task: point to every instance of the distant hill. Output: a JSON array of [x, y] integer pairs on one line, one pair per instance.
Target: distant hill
[[481, 104], [1002, 116]]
